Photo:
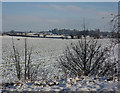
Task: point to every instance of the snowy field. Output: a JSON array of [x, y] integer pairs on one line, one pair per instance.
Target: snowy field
[[45, 53]]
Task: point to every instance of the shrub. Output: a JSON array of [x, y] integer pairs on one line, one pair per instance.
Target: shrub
[[88, 58], [30, 71]]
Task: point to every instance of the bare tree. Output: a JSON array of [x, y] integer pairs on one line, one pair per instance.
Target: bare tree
[[115, 24], [115, 28], [17, 61], [30, 71], [25, 58]]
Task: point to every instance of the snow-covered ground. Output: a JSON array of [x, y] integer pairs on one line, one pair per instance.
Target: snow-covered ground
[[45, 53], [86, 84]]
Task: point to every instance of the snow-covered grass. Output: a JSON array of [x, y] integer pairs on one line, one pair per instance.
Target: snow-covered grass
[[86, 84], [45, 53]]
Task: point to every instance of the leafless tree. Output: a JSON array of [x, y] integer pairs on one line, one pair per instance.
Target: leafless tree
[[115, 24], [30, 71], [115, 28], [16, 59]]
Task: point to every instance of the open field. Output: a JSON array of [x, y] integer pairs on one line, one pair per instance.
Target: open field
[[45, 54]]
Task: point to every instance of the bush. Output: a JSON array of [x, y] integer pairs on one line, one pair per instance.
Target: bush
[[87, 58], [29, 72]]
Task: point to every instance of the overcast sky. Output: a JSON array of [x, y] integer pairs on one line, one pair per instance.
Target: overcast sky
[[41, 16]]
